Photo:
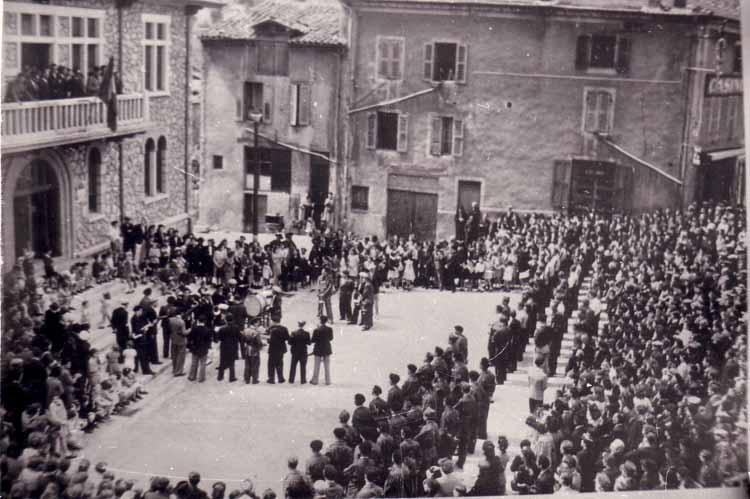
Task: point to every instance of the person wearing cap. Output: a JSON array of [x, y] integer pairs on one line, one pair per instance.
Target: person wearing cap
[[139, 325], [278, 336], [299, 339], [252, 345], [199, 344], [346, 291], [119, 323], [321, 339], [229, 339], [462, 343]]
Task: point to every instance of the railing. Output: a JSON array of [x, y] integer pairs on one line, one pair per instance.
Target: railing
[[37, 122]]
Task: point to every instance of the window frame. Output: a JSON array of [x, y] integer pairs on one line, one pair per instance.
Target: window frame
[[155, 44], [60, 44], [619, 66], [297, 104], [360, 206], [149, 168], [400, 40], [610, 119], [457, 133], [459, 62], [402, 130]]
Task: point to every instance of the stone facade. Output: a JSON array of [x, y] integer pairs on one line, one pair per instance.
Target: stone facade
[[522, 105], [168, 117], [227, 66]]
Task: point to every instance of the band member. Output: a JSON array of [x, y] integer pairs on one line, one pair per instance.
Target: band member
[[346, 290], [366, 298], [139, 325], [326, 288]]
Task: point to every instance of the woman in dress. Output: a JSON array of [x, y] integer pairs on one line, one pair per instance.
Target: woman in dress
[[409, 275]]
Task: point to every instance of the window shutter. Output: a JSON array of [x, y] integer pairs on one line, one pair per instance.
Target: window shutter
[[294, 104], [372, 123], [428, 54], [458, 137], [582, 52], [462, 53], [436, 133], [267, 103], [304, 103], [402, 140], [396, 54], [561, 184], [623, 56], [383, 50]]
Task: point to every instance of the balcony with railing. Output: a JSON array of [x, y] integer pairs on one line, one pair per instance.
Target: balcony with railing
[[31, 125]]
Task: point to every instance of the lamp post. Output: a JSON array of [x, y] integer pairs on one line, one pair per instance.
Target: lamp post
[[256, 118]]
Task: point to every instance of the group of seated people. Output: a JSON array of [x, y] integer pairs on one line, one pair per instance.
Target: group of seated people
[[35, 83], [654, 396]]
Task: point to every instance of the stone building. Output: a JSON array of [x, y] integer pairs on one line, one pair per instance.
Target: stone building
[[277, 62], [538, 104], [66, 175]]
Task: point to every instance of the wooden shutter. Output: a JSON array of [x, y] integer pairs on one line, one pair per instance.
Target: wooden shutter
[[267, 103], [402, 140], [462, 54], [396, 55], [428, 56], [582, 51], [304, 104], [561, 184], [458, 137], [372, 125], [622, 63], [383, 52], [436, 133], [293, 104]]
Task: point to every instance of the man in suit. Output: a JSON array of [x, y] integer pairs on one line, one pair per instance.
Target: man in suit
[[468, 412], [346, 290], [139, 325], [395, 399], [298, 341], [229, 346], [278, 336], [199, 343], [178, 338], [462, 344], [499, 346], [321, 340], [119, 323], [252, 345]]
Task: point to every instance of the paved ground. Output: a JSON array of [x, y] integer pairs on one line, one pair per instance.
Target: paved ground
[[233, 431]]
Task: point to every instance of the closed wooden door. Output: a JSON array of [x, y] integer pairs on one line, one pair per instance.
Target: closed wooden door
[[412, 213], [247, 219]]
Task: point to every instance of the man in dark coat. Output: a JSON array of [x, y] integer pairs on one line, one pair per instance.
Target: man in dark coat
[[321, 339], [498, 347], [229, 347], [119, 323], [140, 325], [468, 412], [199, 343], [278, 336], [362, 419], [367, 300], [298, 341]]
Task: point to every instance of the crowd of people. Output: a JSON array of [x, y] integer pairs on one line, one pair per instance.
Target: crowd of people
[[34, 83], [655, 389]]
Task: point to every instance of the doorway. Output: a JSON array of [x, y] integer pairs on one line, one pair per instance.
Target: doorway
[[469, 192], [247, 218], [412, 213], [320, 177], [36, 209], [718, 181]]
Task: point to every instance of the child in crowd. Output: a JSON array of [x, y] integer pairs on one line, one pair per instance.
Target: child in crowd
[[113, 361], [129, 355], [409, 275], [105, 307]]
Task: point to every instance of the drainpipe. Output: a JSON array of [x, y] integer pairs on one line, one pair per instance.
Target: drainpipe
[[120, 149], [340, 186], [189, 12]]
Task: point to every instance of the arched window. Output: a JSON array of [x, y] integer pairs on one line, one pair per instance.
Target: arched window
[[161, 165], [95, 173], [148, 168]]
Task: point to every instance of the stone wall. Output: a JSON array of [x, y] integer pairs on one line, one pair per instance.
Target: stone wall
[[522, 104]]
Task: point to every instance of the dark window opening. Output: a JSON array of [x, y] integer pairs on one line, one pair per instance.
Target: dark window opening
[[148, 188], [737, 62], [603, 50], [253, 98], [95, 161], [274, 163], [161, 165], [446, 136], [360, 195], [36, 55], [218, 162], [387, 136], [445, 62]]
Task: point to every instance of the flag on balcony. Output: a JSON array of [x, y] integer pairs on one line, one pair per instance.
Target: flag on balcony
[[108, 93]]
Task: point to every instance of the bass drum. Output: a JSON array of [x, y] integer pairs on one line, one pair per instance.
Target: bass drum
[[255, 305]]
